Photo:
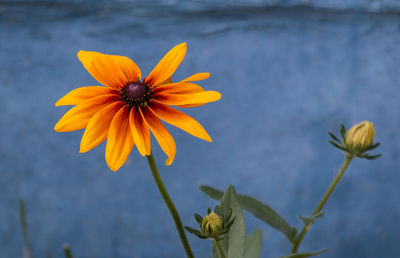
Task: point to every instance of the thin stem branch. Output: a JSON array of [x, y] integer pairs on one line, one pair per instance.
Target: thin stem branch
[[321, 204], [220, 249], [170, 205]]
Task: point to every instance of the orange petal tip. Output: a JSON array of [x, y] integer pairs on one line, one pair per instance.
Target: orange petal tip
[[83, 150], [57, 128]]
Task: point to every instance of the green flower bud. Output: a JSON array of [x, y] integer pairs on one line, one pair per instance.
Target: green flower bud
[[215, 225], [212, 224], [360, 136], [357, 141]]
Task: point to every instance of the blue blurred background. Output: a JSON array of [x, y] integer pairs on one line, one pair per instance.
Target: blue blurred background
[[288, 71]]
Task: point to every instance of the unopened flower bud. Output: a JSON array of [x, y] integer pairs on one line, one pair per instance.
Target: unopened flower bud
[[212, 224], [360, 136]]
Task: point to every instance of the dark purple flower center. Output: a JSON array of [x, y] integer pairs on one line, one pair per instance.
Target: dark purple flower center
[[136, 93]]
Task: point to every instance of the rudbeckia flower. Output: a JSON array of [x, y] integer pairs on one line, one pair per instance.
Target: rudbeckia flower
[[127, 107]]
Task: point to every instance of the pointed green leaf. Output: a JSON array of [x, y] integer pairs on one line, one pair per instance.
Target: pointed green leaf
[[235, 239], [334, 137], [334, 144], [304, 255], [257, 208], [374, 157], [372, 146], [293, 233], [313, 218], [340, 147], [253, 245], [342, 131], [198, 218], [192, 230]]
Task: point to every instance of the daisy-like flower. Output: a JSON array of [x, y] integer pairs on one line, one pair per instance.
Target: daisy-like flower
[[127, 108]]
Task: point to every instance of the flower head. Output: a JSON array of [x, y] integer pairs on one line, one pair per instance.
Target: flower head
[[357, 141], [216, 224], [126, 108], [212, 224], [360, 136]]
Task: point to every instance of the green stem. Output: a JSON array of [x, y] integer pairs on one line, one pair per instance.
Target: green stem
[[220, 250], [170, 205], [321, 204]]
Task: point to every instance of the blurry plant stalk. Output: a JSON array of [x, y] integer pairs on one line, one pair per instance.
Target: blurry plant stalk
[[355, 143], [22, 217]]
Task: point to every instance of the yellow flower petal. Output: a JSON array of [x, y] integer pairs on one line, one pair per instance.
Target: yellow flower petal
[[140, 132], [178, 88], [78, 95], [169, 80], [78, 117], [197, 77], [180, 120], [161, 134], [190, 106], [187, 99], [97, 129], [119, 140], [109, 70], [167, 66]]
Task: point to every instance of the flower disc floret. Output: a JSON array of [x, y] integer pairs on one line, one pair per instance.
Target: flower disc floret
[[136, 93]]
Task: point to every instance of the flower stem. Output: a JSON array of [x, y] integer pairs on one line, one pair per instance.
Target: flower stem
[[170, 205], [220, 249], [321, 204], [22, 217]]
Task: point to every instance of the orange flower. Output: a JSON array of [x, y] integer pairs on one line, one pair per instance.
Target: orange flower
[[128, 108]]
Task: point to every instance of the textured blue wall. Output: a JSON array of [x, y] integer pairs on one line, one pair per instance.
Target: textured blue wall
[[287, 76]]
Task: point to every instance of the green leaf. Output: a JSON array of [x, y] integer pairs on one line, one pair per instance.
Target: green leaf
[[342, 131], [235, 239], [337, 145], [253, 245], [372, 146], [313, 218], [195, 232], [257, 208], [334, 137], [293, 233], [198, 218], [304, 255], [374, 157]]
